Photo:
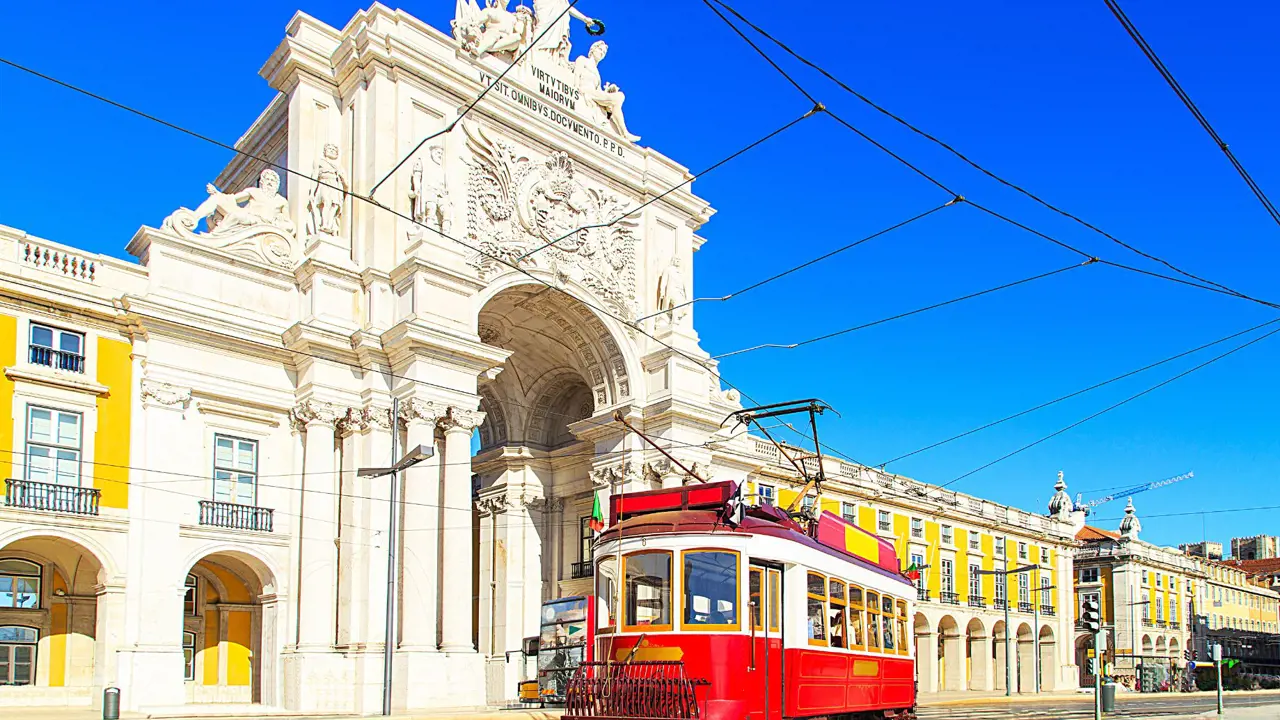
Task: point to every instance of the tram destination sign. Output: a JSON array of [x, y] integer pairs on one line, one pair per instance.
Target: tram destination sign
[[560, 92]]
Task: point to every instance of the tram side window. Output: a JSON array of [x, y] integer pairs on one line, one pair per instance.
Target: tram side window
[[711, 589], [902, 627], [775, 601], [857, 639], [607, 593], [888, 619], [648, 591], [873, 621], [836, 614], [755, 594], [817, 587]]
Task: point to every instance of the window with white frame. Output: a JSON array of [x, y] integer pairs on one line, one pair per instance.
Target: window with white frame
[[1089, 575], [189, 656], [1046, 599], [1173, 611], [53, 446], [1001, 580], [849, 511], [1022, 551], [975, 582], [1046, 557], [918, 562], [1159, 612], [1159, 580], [975, 540], [806, 503], [766, 494], [235, 470], [19, 584], [1088, 597], [189, 595], [56, 348], [884, 521], [948, 577], [1146, 605], [917, 528], [948, 535], [1145, 580], [1024, 588], [1000, 543]]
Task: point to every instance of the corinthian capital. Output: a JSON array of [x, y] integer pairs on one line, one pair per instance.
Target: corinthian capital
[[312, 412], [377, 416], [425, 411], [461, 420]]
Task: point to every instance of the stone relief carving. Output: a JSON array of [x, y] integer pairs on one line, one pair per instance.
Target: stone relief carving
[[252, 223], [428, 197], [461, 420], [324, 204], [613, 476], [352, 422], [493, 504], [416, 410], [604, 100], [672, 293], [310, 412], [515, 205], [166, 395], [553, 19], [377, 417]]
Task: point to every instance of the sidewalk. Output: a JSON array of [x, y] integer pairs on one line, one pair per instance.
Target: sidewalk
[[241, 713], [962, 698]]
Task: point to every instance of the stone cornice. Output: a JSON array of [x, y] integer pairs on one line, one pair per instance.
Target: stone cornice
[[411, 337], [67, 381]]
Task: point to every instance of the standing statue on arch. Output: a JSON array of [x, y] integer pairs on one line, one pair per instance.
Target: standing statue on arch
[[552, 27], [672, 295], [605, 99]]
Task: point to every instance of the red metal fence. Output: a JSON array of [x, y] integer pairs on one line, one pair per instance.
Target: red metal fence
[[640, 690]]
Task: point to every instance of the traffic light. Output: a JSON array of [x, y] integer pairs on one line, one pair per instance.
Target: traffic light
[[1186, 655], [1091, 619], [1092, 669]]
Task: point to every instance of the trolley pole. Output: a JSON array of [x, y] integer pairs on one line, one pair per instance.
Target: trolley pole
[[1097, 679], [1217, 665]]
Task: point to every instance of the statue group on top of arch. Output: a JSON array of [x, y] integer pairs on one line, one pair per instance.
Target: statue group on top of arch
[[495, 30], [252, 223], [516, 206]]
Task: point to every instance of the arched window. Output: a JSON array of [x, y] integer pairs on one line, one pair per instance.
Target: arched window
[[192, 584], [19, 584], [17, 654]]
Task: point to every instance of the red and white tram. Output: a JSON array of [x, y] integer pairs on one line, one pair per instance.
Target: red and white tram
[[702, 614]]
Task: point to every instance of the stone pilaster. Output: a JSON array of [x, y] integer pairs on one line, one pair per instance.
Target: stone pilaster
[[456, 518], [318, 526]]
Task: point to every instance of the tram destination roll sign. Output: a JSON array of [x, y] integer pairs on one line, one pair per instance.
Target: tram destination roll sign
[[560, 92]]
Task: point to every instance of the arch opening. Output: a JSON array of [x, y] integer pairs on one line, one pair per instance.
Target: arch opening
[[227, 630]]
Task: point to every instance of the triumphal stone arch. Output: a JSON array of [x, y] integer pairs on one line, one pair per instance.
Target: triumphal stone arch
[[511, 282]]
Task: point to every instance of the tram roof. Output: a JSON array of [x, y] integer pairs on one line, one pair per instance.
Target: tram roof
[[710, 518]]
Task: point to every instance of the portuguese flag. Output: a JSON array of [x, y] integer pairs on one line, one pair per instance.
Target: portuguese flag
[[597, 518], [913, 572]]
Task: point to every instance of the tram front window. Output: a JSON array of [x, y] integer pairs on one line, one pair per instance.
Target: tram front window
[[711, 589], [607, 593], [648, 591]]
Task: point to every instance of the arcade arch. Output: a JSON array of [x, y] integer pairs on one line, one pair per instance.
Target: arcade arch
[[228, 629], [977, 656], [1048, 666]]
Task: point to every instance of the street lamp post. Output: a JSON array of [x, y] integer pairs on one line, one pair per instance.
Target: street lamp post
[[413, 457], [1004, 577]]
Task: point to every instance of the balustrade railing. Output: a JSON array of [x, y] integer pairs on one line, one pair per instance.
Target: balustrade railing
[[235, 517], [949, 598], [977, 602], [1048, 610], [1026, 607], [922, 594], [581, 570], [998, 603], [56, 359], [33, 495]]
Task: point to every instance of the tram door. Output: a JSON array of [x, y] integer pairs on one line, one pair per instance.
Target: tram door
[[764, 665]]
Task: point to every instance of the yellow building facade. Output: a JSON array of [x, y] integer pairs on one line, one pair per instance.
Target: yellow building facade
[[1233, 599]]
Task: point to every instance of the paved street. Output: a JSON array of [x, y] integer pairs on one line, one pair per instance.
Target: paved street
[[1257, 707]]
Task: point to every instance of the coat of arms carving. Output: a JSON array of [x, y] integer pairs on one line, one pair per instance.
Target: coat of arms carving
[[516, 205]]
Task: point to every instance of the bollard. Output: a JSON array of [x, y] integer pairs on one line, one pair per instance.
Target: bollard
[[111, 704]]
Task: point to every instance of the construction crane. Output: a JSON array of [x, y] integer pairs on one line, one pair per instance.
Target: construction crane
[[1089, 506]]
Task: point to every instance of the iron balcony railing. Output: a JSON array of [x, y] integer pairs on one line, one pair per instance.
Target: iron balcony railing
[[977, 602], [53, 498], [949, 598], [57, 359], [235, 517], [998, 603], [922, 594], [581, 570], [1025, 607], [1047, 610], [1146, 622], [1175, 625]]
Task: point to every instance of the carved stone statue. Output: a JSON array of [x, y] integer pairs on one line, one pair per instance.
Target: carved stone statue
[[492, 30], [672, 294], [554, 42], [324, 204], [429, 199], [254, 222], [606, 99]]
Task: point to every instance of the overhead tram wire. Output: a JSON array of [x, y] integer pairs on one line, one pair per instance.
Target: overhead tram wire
[[972, 163], [454, 123], [881, 321], [1111, 407], [496, 258], [801, 266], [1173, 83]]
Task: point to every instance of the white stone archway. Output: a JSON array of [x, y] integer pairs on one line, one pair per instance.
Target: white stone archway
[[1048, 659], [999, 656], [1025, 674], [978, 656], [926, 653], [950, 655]]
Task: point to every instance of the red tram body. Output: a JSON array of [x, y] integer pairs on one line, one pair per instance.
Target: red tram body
[[749, 620]]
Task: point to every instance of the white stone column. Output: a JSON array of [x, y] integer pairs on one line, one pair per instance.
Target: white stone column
[[318, 527], [421, 533], [980, 663], [926, 662], [108, 624], [455, 536]]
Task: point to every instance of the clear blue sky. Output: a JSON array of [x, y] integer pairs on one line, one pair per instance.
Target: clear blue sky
[[1053, 96]]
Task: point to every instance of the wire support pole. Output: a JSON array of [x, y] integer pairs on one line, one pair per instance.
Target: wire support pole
[[393, 534]]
